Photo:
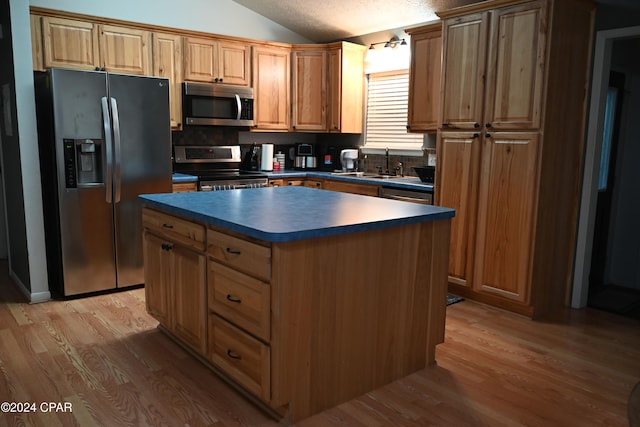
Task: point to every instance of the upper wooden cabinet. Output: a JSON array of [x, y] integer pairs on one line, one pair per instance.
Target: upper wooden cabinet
[[464, 51], [328, 88], [83, 45], [515, 67], [346, 88], [36, 42], [125, 50], [424, 78], [309, 98], [510, 151], [217, 61], [69, 43], [486, 46], [167, 62], [271, 86]]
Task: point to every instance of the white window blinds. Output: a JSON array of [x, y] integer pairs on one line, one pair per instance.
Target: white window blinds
[[387, 101]]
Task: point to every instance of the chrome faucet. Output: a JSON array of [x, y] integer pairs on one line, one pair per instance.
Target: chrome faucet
[[399, 168]]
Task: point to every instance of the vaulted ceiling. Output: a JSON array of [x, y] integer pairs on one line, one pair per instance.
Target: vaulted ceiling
[[329, 20]]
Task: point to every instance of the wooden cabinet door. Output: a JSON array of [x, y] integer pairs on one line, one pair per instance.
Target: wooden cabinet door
[[424, 80], [346, 88], [68, 43], [157, 279], [506, 212], [515, 66], [125, 50], [200, 59], [457, 188], [234, 63], [309, 90], [351, 187], [167, 62], [36, 42], [213, 61], [464, 55], [189, 290], [271, 88]]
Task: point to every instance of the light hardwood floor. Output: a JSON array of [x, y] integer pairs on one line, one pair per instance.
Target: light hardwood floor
[[105, 357]]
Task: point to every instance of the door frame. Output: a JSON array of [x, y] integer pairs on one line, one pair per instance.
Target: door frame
[[593, 149]]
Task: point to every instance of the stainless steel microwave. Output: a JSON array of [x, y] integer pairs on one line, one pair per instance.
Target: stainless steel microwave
[[217, 105]]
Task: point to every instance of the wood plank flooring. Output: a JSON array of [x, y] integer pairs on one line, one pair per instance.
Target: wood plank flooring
[[106, 358]]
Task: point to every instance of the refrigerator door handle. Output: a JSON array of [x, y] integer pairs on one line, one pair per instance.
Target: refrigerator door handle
[[116, 146], [106, 122], [239, 106]]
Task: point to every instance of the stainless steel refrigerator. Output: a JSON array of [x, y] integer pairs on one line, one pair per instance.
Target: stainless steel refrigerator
[[103, 140]]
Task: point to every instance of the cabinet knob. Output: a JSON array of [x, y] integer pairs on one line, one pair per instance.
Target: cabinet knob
[[445, 124], [488, 125], [408, 127], [476, 125], [476, 135], [487, 135]]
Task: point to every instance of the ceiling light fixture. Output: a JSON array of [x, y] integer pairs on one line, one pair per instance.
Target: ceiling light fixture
[[393, 42]]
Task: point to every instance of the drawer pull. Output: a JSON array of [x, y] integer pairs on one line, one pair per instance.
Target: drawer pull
[[167, 225], [233, 299], [166, 246], [233, 355], [233, 251]]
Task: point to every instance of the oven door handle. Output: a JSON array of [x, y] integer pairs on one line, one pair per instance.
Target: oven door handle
[[239, 106]]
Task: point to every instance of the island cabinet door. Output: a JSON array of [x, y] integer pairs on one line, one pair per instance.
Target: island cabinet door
[[157, 279], [189, 291]]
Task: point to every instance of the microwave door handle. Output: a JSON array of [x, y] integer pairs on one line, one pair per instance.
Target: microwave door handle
[[106, 122], [239, 106], [116, 146]]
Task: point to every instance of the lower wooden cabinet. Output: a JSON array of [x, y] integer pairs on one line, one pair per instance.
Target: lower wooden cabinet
[[181, 187], [241, 356], [175, 278], [352, 187]]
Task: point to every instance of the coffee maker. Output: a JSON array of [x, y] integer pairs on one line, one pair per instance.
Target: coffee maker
[[305, 157], [349, 160]]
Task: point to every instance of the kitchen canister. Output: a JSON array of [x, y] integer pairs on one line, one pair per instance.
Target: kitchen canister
[[279, 157], [266, 163]]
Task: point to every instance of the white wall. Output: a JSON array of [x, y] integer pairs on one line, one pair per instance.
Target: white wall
[[212, 16]]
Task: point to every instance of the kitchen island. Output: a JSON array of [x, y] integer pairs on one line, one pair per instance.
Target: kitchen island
[[301, 298]]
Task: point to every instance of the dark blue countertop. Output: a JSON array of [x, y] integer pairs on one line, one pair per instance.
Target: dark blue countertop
[[407, 183], [180, 177], [283, 214]]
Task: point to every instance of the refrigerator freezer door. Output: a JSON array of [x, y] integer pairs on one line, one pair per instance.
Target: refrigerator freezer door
[[142, 140], [84, 238]]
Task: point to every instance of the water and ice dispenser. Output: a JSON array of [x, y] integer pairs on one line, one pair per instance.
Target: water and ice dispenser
[[83, 162]]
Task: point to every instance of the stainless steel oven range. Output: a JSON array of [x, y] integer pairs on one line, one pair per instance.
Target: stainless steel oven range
[[216, 166]]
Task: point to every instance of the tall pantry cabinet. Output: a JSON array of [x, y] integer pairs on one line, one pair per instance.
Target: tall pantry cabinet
[[510, 140]]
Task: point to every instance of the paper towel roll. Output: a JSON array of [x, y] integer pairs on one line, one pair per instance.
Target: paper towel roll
[[267, 157]]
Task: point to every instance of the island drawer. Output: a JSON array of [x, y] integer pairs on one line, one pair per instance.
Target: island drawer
[[241, 299], [241, 254], [239, 355], [176, 229]]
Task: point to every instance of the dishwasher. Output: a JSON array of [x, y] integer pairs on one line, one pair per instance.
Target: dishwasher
[[426, 198]]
